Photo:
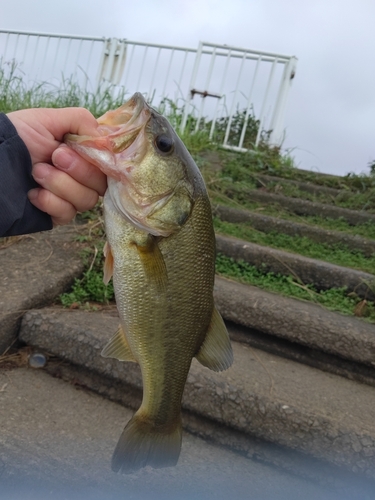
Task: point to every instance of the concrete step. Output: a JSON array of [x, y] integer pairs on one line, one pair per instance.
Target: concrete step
[[267, 224], [33, 271], [262, 396], [57, 441], [308, 271], [297, 321], [308, 187], [301, 207]]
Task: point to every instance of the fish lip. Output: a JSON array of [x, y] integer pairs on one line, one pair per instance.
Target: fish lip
[[133, 107], [138, 114]]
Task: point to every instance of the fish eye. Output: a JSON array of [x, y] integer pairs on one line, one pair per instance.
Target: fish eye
[[164, 143]]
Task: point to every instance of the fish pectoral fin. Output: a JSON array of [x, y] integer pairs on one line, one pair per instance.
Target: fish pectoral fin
[[153, 261], [108, 263], [216, 351], [118, 347]]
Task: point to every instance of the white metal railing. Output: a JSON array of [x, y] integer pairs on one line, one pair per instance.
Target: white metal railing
[[229, 81]]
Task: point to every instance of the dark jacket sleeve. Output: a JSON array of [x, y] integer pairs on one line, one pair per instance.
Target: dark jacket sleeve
[[17, 214]]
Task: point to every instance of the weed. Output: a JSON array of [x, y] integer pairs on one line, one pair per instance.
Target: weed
[[90, 288], [335, 299]]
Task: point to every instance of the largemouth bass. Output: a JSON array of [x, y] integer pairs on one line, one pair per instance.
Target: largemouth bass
[[161, 252]]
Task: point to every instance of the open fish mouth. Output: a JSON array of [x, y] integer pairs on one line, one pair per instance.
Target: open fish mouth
[[122, 138], [123, 125]]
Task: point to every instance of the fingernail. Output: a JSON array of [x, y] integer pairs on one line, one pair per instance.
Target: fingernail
[[33, 194], [41, 171], [63, 157]]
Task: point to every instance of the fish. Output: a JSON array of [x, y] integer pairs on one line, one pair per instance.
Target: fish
[[160, 251]]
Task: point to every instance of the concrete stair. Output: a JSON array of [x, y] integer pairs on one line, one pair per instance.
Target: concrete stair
[[300, 394]]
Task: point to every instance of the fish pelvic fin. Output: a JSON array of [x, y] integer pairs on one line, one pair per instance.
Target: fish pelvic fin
[[216, 351], [153, 262], [108, 263], [144, 443], [118, 347]]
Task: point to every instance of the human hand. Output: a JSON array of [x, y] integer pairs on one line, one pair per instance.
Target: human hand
[[68, 182]]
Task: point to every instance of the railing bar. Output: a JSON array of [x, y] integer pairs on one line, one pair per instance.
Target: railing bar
[[168, 71], [44, 58], [261, 117], [77, 58], [15, 47], [243, 131], [121, 56], [24, 52], [67, 55], [156, 45], [233, 102], [6, 45], [35, 53], [51, 35], [183, 68], [55, 58], [191, 86], [208, 79], [142, 66], [129, 65], [258, 52], [86, 70], [220, 92], [153, 74]]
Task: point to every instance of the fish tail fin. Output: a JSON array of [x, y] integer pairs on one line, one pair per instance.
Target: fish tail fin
[[144, 443]]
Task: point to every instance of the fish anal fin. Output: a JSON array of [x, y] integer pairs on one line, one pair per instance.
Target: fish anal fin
[[143, 443], [108, 263], [153, 261], [118, 347], [216, 351]]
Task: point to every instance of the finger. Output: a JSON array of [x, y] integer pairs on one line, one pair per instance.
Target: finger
[[61, 211], [64, 186], [71, 120], [81, 170]]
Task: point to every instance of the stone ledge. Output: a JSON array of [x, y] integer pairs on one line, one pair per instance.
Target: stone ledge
[[33, 272], [261, 395], [309, 271], [297, 321]]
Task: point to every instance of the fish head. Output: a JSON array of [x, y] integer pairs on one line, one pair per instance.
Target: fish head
[[152, 180]]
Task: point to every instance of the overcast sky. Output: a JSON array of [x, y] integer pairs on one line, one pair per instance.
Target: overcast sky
[[331, 109]]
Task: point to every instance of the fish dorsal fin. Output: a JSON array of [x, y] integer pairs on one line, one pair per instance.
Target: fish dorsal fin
[[118, 347], [108, 263], [216, 350], [153, 262]]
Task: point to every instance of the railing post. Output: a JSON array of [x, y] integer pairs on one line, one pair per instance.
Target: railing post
[[191, 86], [277, 122]]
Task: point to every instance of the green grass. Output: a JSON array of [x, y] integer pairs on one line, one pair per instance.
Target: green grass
[[274, 162], [335, 254], [354, 201], [243, 171], [335, 299], [15, 94], [90, 287]]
